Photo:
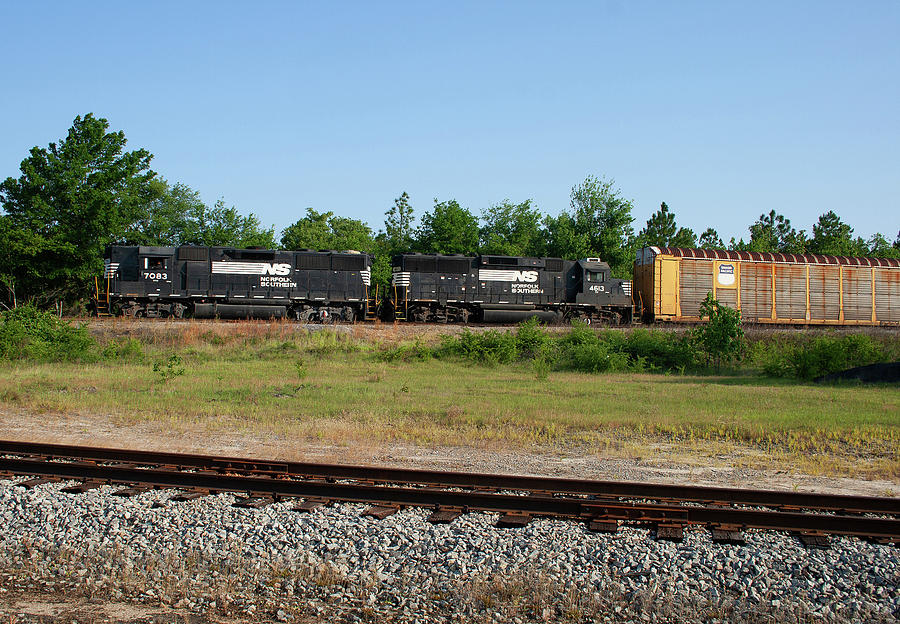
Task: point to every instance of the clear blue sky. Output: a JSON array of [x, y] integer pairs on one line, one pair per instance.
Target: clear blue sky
[[723, 110]]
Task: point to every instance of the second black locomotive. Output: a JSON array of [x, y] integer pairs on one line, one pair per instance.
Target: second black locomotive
[[490, 288]]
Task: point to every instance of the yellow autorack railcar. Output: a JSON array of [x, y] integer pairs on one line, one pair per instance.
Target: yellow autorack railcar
[[801, 289]]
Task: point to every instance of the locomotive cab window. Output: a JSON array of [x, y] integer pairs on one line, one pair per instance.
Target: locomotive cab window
[[154, 263], [594, 276]]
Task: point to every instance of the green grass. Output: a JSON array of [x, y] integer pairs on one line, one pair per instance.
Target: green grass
[[347, 396]]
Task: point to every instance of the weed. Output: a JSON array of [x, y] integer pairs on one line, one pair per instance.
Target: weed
[[169, 369], [541, 367], [302, 371]]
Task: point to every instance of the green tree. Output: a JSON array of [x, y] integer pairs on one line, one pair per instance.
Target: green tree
[[710, 240], [177, 216], [224, 226], [167, 216], [662, 231], [71, 200], [773, 233], [607, 215], [512, 230], [448, 229], [878, 246], [398, 225], [721, 339], [568, 236], [833, 237], [323, 230]]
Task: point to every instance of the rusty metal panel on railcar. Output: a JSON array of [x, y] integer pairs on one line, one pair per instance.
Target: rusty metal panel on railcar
[[696, 283], [824, 292], [857, 300], [790, 292], [756, 291], [887, 295]]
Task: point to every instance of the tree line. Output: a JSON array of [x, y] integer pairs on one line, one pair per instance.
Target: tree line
[[86, 191]]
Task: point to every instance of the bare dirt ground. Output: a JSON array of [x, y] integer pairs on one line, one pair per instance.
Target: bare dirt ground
[[34, 608]]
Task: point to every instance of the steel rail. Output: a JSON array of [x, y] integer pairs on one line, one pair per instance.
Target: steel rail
[[533, 505], [375, 474]]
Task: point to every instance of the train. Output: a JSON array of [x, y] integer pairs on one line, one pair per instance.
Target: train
[[668, 285]]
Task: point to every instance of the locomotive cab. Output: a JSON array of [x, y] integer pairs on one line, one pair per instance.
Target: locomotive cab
[[593, 284], [139, 278], [156, 265]]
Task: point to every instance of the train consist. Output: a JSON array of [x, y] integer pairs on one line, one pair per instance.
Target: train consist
[[332, 286], [224, 282]]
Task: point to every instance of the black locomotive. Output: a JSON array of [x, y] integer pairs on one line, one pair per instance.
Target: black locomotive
[[225, 282], [506, 289]]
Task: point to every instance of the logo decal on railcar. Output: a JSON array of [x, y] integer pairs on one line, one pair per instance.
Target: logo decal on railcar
[[725, 275]]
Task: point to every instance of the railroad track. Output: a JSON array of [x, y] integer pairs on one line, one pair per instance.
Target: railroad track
[[602, 505]]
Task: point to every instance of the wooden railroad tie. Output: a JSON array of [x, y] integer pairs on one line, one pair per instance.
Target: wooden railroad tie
[[381, 511], [670, 532], [444, 516], [310, 505], [130, 491], [253, 502], [603, 526], [512, 521], [727, 534], [80, 488], [32, 483], [818, 541]]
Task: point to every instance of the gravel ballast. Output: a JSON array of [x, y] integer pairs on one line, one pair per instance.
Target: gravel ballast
[[335, 564]]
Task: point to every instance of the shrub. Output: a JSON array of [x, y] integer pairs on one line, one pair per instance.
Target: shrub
[[31, 334], [581, 333], [531, 340], [597, 358], [721, 339], [127, 349], [489, 347], [808, 359], [666, 351], [406, 352]]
